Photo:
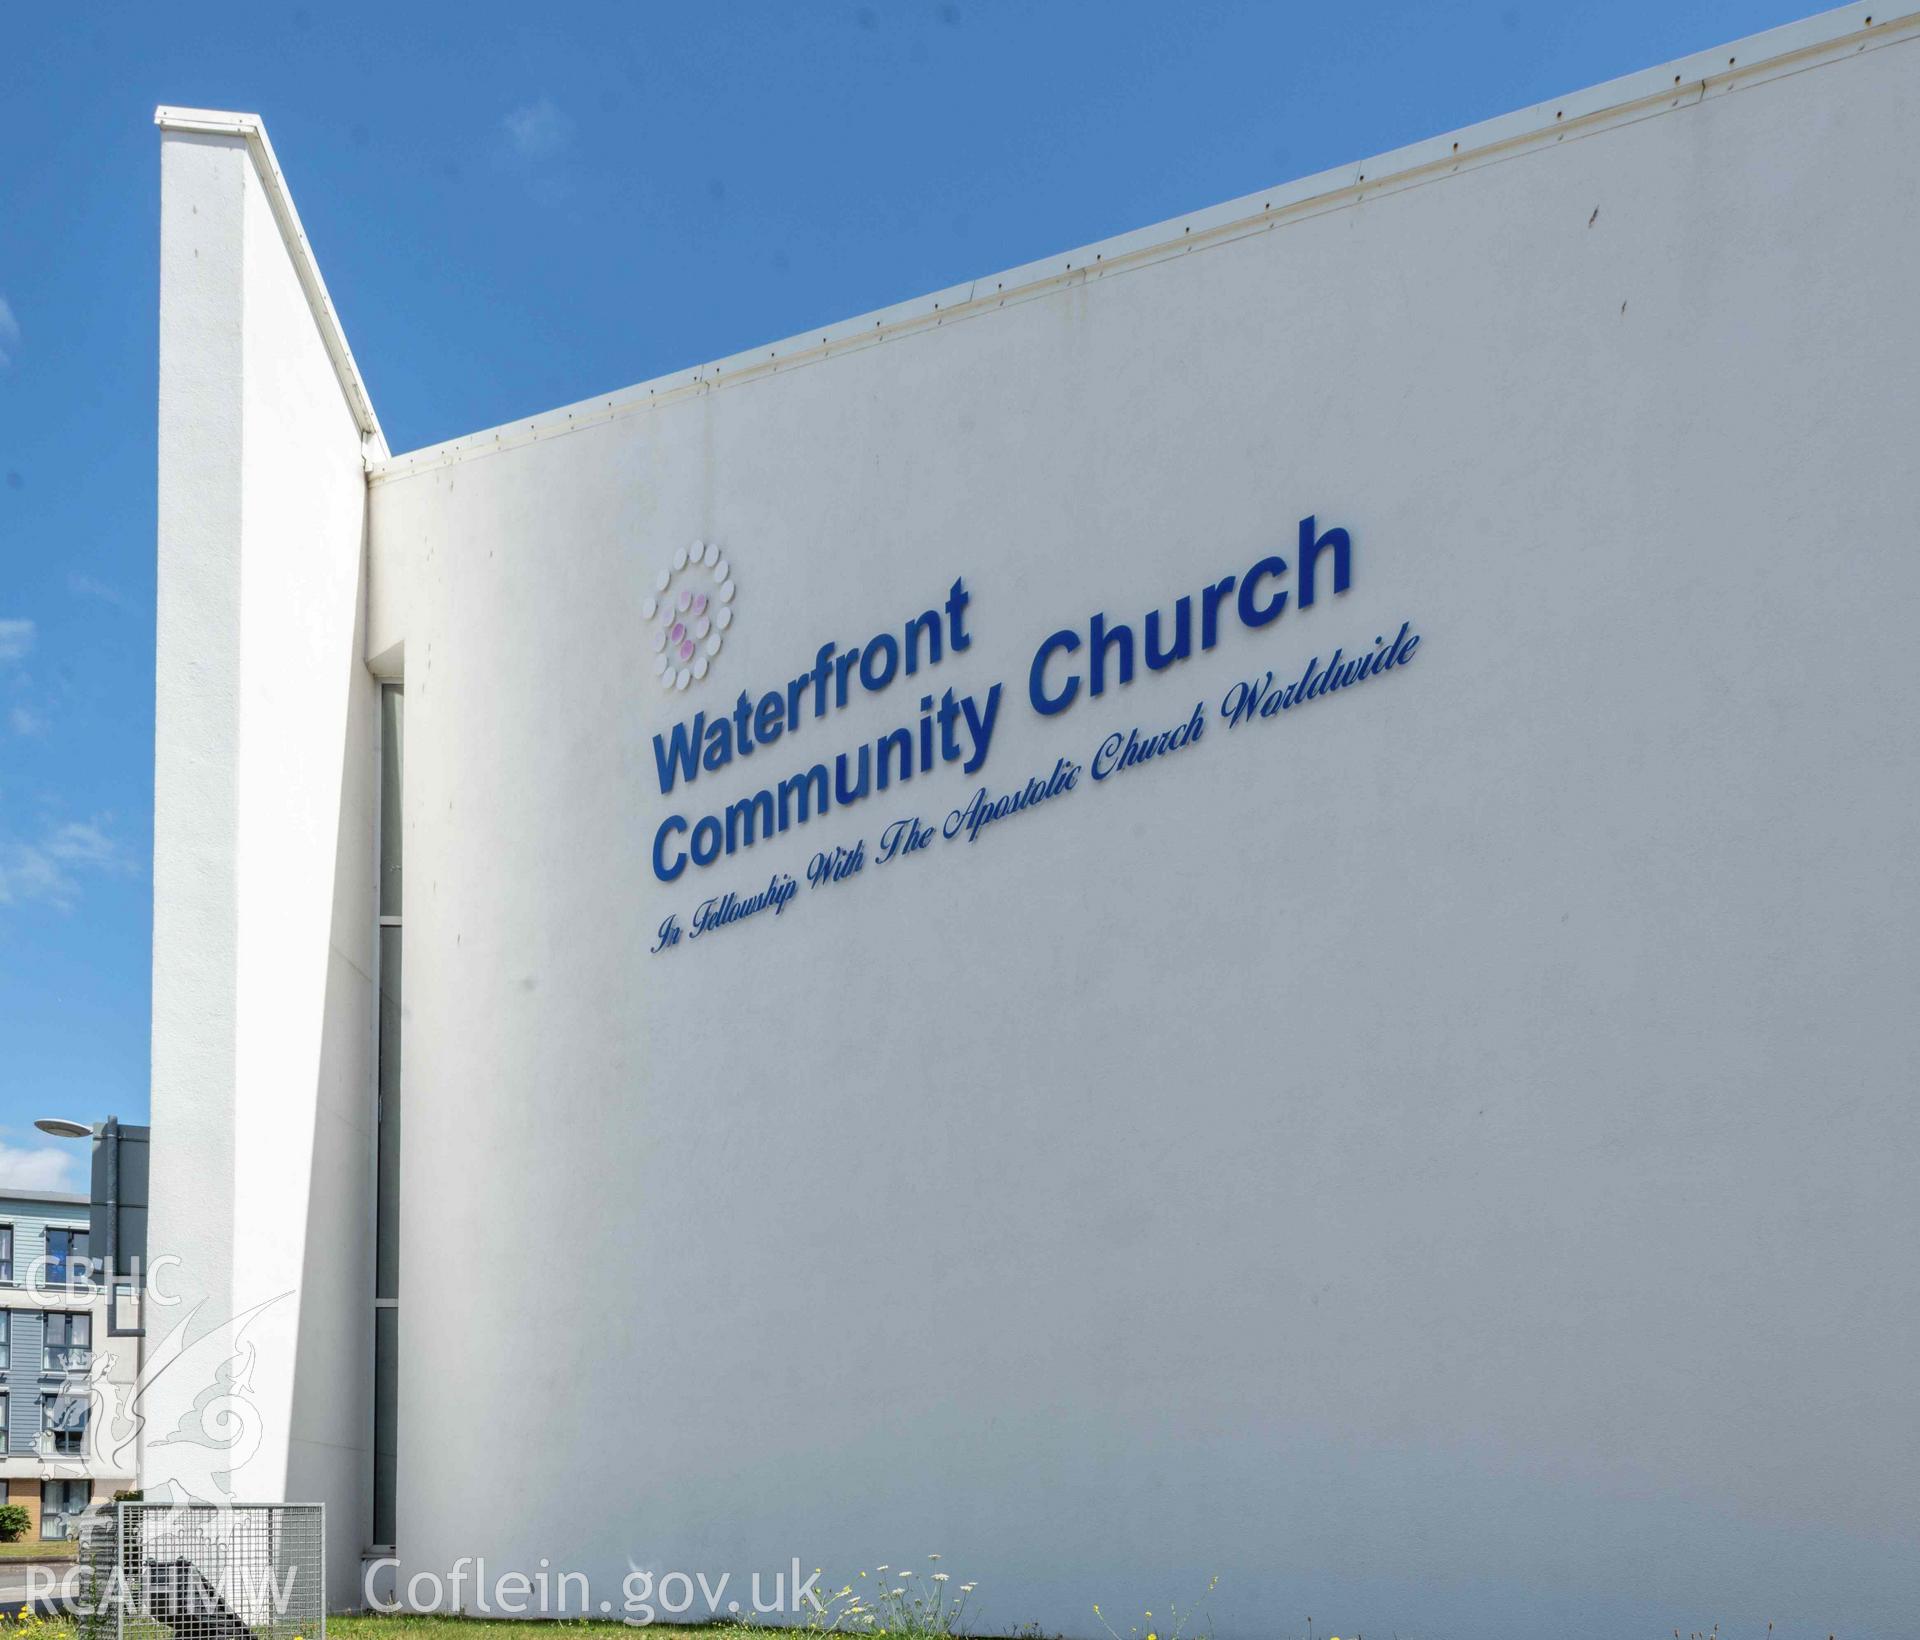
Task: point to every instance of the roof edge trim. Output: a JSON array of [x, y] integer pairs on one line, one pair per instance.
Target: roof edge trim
[[250, 127], [1826, 37]]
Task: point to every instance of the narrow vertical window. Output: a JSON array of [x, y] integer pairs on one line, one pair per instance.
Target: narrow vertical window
[[386, 1224], [6, 1253]]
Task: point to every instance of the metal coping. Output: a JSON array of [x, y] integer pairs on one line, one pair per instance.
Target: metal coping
[[1826, 37], [251, 128]]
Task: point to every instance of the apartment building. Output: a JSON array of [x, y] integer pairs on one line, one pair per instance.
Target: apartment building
[[66, 1386]]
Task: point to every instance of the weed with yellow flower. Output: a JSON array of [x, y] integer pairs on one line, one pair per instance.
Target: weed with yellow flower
[[1175, 1625]]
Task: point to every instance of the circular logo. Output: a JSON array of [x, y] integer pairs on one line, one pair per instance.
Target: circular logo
[[690, 607]]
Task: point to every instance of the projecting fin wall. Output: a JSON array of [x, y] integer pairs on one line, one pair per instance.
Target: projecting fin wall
[[263, 938]]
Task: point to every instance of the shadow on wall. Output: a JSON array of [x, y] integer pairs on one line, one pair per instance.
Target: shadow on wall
[[330, 1431]]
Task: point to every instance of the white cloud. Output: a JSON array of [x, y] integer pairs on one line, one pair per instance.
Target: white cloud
[[24, 720], [538, 130], [86, 586], [40, 1167], [16, 638], [9, 333], [49, 871]]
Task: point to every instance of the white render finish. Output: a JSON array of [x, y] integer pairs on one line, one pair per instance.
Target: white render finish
[[263, 839], [1441, 1159]]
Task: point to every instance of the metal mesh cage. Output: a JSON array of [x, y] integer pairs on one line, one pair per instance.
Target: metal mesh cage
[[245, 1571]]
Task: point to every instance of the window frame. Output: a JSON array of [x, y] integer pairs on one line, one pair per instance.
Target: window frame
[[66, 1364], [64, 1443], [75, 1269], [48, 1516]]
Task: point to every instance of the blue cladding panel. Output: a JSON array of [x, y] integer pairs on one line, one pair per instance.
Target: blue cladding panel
[[23, 1379]]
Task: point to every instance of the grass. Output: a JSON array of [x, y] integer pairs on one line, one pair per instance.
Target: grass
[[410, 1627], [420, 1627], [39, 1549]]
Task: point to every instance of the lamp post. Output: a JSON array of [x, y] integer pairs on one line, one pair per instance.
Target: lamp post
[[63, 1127], [118, 1215]]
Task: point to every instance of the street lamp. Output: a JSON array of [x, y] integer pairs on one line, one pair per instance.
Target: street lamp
[[117, 1201], [62, 1128], [116, 1189]]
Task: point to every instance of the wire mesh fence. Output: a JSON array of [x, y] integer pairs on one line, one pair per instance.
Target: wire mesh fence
[[251, 1571]]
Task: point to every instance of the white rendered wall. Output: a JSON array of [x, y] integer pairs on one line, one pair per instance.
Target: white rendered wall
[[263, 852], [1443, 1160]]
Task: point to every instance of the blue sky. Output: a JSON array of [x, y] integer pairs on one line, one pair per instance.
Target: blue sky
[[518, 206]]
